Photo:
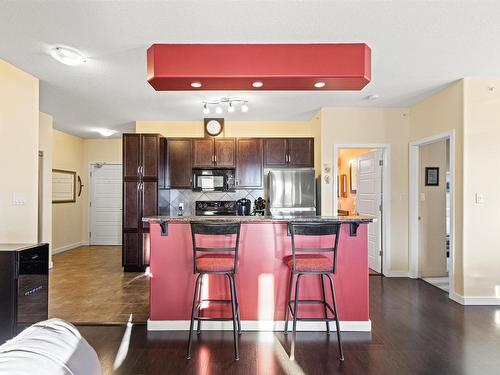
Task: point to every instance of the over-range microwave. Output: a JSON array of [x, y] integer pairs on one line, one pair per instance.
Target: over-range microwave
[[214, 179]]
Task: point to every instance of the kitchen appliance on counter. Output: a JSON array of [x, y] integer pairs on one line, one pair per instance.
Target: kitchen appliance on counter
[[214, 179], [215, 208], [259, 206], [243, 207], [292, 192]]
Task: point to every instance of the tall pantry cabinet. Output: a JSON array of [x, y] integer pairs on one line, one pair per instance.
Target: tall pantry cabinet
[[141, 175]]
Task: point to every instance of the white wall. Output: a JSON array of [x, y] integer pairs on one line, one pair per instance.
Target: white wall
[[45, 145], [18, 154]]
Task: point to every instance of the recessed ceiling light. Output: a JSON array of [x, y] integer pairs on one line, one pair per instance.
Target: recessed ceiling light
[[196, 84], [68, 56], [319, 84], [257, 84], [106, 132], [372, 97]]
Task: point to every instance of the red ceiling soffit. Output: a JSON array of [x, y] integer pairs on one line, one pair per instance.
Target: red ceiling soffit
[[173, 67]]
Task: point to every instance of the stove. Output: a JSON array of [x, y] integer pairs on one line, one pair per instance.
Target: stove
[[215, 208]]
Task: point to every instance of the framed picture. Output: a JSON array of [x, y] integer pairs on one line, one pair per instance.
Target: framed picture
[[63, 186], [353, 169], [431, 176]]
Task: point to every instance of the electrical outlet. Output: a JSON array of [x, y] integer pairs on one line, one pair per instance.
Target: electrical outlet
[[19, 199]]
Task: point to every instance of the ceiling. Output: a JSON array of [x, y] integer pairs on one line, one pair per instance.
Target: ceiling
[[417, 48]]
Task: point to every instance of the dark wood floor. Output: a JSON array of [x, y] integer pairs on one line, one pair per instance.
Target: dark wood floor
[[416, 330]]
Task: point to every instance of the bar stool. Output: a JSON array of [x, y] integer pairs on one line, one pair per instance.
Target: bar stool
[[312, 263], [219, 261]]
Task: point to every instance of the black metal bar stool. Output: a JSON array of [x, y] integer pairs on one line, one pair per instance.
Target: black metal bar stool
[[221, 261], [313, 261]]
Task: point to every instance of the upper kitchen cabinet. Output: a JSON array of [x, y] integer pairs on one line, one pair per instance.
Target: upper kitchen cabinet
[[224, 155], [141, 156], [162, 177], [301, 152], [249, 163], [178, 174], [209, 152], [203, 152], [289, 152]]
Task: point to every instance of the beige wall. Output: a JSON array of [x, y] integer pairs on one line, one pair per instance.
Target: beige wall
[[347, 201], [231, 128], [19, 154], [432, 212], [373, 126], [70, 220], [481, 163], [67, 217], [436, 114], [45, 145]]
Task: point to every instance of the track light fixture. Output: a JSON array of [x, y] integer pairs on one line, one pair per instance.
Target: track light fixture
[[230, 104]]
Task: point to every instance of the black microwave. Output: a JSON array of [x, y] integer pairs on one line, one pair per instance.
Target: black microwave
[[214, 179]]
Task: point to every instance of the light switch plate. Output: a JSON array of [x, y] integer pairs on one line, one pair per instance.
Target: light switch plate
[[479, 198], [19, 199]]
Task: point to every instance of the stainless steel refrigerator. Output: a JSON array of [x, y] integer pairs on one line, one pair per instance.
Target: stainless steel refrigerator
[[292, 192]]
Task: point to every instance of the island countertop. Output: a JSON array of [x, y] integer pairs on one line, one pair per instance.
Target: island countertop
[[258, 219]]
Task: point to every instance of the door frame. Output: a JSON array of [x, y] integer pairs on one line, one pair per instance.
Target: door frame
[[414, 190], [386, 195], [89, 195]]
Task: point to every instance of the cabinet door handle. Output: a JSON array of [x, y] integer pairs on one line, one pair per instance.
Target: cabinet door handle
[[139, 170], [215, 159], [142, 170]]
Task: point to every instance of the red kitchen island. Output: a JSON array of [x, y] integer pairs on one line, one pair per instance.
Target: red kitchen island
[[262, 277]]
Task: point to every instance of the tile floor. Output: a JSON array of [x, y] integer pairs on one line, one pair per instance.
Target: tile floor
[[88, 285]]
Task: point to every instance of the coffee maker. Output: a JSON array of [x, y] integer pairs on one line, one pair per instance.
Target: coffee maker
[[260, 206], [243, 207]]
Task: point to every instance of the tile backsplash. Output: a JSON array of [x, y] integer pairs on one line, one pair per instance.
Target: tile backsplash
[[189, 197]]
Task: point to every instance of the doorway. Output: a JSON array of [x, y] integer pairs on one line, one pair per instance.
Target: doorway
[[361, 187], [431, 210], [105, 204]]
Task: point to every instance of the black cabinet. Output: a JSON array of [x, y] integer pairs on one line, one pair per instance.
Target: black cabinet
[[24, 286]]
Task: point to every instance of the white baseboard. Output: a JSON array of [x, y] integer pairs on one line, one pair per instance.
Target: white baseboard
[[396, 274], [475, 300], [261, 326], [69, 247]]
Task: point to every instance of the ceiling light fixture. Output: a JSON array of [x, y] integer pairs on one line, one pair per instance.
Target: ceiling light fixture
[[106, 132], [372, 97], [257, 84], [229, 103], [68, 56], [319, 84], [196, 84]]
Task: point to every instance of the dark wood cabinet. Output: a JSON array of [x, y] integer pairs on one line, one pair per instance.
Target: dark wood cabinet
[[301, 152], [224, 155], [275, 152], [210, 152], [249, 163], [203, 152], [141, 180], [162, 175], [178, 163], [289, 152]]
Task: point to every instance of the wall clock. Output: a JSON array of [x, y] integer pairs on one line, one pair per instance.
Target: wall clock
[[213, 126]]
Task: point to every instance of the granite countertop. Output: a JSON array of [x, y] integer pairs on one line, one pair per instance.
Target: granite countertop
[[258, 219]]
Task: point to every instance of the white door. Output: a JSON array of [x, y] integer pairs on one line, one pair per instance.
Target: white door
[[106, 204], [369, 202]]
